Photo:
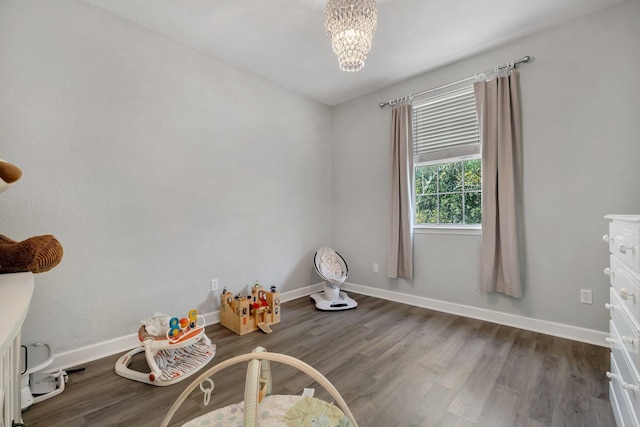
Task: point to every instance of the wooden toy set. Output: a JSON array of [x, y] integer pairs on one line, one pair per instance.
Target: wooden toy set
[[247, 314]]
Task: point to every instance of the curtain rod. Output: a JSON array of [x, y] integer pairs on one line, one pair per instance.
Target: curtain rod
[[512, 64]]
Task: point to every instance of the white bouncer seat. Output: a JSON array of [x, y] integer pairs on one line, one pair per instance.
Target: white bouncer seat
[[334, 270], [262, 409]]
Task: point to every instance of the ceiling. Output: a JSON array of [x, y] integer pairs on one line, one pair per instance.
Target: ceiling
[[284, 40]]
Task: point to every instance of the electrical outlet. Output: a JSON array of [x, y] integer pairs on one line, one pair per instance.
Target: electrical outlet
[[585, 296], [214, 285], [375, 267]]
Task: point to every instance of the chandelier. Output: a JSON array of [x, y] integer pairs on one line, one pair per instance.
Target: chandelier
[[351, 24]]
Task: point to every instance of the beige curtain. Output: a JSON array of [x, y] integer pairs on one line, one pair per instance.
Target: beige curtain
[[400, 261], [498, 105]]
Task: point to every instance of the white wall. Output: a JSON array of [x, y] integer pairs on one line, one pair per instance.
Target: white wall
[[581, 99], [157, 167]]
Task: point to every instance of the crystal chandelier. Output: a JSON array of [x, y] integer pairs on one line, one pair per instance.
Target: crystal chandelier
[[351, 24]]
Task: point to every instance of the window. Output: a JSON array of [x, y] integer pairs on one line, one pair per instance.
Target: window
[[447, 165], [448, 192]]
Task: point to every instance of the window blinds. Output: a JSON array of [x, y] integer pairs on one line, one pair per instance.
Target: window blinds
[[446, 126]]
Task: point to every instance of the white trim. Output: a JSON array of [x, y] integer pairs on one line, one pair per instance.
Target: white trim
[[471, 230], [452, 159], [301, 292], [575, 333], [99, 350], [79, 356], [93, 352]]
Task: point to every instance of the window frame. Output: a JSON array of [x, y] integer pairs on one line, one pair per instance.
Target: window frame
[[447, 156]]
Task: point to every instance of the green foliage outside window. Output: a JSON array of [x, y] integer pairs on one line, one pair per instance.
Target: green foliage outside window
[[449, 193]]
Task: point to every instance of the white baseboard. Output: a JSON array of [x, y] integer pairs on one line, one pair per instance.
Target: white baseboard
[[68, 359], [574, 333], [302, 292], [96, 351]]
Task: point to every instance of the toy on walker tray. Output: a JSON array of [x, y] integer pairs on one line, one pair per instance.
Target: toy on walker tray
[[247, 314], [174, 349]]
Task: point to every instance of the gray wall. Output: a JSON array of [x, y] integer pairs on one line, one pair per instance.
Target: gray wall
[[580, 103], [157, 167]]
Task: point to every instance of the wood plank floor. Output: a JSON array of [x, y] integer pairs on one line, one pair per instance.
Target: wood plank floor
[[394, 364]]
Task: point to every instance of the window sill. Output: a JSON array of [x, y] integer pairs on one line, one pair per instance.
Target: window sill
[[470, 230]]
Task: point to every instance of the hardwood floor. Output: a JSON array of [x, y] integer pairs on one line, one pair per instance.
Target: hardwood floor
[[394, 364]]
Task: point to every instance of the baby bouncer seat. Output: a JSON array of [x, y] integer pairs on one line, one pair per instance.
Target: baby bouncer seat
[[262, 408], [172, 354], [334, 270]]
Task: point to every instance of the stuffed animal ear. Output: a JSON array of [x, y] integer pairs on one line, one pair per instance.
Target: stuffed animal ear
[[8, 174]]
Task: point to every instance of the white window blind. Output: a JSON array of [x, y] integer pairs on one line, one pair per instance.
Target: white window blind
[[446, 126]]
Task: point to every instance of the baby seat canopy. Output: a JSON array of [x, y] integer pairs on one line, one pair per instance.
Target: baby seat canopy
[[331, 266]]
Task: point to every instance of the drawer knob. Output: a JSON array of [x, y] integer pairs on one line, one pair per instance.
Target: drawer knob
[[629, 340], [610, 340], [606, 238], [610, 306], [609, 272], [623, 249], [625, 385], [631, 387], [624, 293]]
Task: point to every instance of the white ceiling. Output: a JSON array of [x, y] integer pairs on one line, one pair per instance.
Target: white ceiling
[[284, 40]]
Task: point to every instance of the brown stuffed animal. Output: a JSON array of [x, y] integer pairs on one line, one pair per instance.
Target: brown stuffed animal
[[36, 254]]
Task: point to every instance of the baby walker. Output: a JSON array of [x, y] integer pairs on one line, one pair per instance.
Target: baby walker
[[181, 351], [332, 268]]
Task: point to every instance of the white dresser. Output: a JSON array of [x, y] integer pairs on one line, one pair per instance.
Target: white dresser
[[624, 325], [15, 296]]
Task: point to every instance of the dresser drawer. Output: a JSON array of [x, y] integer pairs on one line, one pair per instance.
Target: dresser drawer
[[626, 285], [626, 340], [615, 406], [622, 407], [624, 239], [627, 376]]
